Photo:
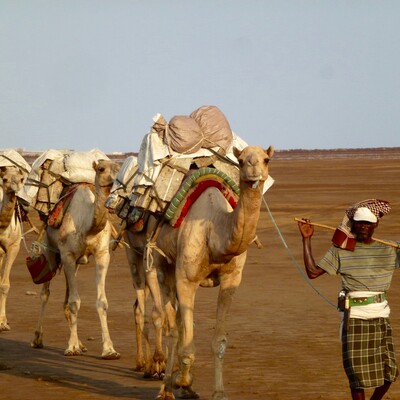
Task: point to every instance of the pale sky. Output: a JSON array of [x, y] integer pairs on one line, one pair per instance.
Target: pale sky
[[300, 74]]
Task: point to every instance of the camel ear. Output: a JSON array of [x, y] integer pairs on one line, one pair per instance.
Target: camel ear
[[236, 152], [94, 165], [270, 152]]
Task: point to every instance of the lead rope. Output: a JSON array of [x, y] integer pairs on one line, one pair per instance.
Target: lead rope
[[302, 273]]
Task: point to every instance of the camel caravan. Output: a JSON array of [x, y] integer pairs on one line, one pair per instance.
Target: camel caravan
[[188, 207]]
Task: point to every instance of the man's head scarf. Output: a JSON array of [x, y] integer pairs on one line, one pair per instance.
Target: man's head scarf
[[343, 237]]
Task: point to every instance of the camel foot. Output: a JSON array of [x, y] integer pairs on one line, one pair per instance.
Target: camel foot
[[154, 376], [180, 381], [4, 327], [158, 370], [36, 345], [37, 341], [73, 352], [187, 393], [112, 355], [219, 396], [165, 396]]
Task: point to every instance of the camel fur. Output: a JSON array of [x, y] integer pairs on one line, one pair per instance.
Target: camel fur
[[209, 246], [12, 179], [84, 231]]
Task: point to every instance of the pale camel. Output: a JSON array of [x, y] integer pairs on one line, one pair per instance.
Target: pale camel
[[10, 233], [209, 246], [152, 366], [85, 230]]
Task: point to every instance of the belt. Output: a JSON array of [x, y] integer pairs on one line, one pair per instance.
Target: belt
[[363, 301]]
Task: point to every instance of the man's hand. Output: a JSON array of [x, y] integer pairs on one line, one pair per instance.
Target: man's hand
[[306, 229]]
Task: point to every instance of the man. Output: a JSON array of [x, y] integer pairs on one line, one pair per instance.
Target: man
[[366, 268]]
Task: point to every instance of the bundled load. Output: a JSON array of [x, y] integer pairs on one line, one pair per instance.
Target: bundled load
[[52, 171], [206, 127], [11, 158]]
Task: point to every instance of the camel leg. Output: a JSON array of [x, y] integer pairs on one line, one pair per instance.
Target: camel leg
[[37, 341], [139, 327], [138, 280], [166, 390], [186, 292], [220, 341], [158, 318], [5, 282], [72, 306], [102, 262]]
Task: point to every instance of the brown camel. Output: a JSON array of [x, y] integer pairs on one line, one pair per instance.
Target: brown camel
[[12, 179], [152, 366], [85, 230], [209, 246]]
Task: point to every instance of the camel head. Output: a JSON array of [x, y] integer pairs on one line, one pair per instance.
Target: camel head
[[13, 179], [106, 172], [253, 163]]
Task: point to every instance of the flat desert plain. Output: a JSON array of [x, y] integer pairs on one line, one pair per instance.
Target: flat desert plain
[[283, 329]]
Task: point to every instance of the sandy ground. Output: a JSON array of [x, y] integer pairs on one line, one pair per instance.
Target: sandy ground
[[283, 329]]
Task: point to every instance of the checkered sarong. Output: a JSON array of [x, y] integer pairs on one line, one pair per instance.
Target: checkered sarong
[[369, 357]]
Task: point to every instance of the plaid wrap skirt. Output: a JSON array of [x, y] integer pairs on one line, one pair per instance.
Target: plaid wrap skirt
[[368, 352]]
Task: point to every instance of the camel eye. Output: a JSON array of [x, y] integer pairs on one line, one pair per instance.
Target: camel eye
[[266, 160], [101, 169]]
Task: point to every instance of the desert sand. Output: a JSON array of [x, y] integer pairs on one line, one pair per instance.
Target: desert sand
[[283, 329]]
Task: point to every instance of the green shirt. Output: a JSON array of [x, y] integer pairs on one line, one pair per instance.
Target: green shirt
[[369, 267]]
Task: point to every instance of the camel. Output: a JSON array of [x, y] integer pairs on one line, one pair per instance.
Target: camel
[[152, 366], [12, 179], [85, 230], [209, 246]]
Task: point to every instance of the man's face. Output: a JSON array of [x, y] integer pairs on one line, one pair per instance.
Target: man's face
[[363, 230]]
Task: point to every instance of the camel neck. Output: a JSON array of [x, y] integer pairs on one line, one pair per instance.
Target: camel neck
[[100, 213], [245, 217]]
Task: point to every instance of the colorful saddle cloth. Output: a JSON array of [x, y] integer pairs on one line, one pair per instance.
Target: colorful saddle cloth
[[193, 186]]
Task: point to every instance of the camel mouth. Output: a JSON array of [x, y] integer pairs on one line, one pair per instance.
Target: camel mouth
[[256, 178]]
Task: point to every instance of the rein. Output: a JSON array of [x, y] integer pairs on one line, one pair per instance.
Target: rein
[[302, 273]]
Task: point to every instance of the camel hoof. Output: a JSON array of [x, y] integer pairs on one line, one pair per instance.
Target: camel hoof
[[72, 353], [4, 327], [155, 375], [36, 345], [111, 356], [165, 396]]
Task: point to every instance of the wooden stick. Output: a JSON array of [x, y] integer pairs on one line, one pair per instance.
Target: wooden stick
[[333, 229]]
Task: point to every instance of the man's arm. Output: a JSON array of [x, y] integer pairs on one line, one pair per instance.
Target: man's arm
[[312, 269]]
